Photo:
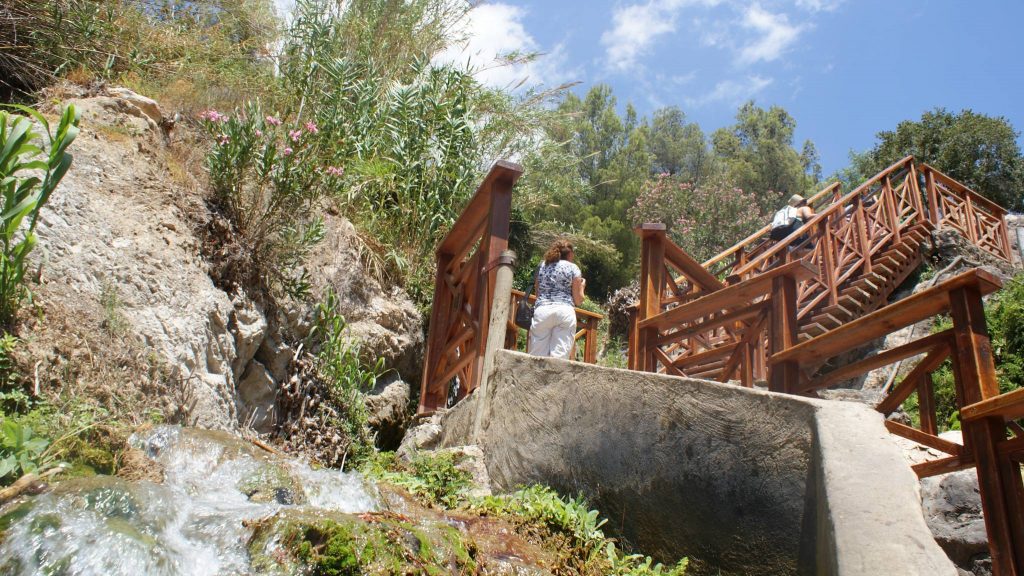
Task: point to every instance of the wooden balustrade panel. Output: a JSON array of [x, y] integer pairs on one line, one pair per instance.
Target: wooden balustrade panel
[[978, 219], [463, 290]]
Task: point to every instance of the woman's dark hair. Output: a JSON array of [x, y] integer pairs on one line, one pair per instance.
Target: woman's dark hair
[[559, 250]]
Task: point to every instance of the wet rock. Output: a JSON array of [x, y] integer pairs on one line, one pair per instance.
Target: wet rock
[[389, 412], [135, 465]]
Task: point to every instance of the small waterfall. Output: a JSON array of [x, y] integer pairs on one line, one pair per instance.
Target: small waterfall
[[194, 523]]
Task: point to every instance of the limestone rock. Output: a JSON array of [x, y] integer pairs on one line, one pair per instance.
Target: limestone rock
[[471, 459], [389, 414], [115, 239], [147, 106], [423, 436], [385, 322], [257, 395], [249, 326], [275, 355]]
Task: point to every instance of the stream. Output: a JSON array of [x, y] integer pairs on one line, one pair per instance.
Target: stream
[[193, 523]]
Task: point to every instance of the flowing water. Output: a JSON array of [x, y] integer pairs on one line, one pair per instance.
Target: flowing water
[[193, 523]]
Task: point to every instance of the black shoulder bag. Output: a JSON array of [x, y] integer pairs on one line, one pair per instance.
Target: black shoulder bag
[[524, 311]]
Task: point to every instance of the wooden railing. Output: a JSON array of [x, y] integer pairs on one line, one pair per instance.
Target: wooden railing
[[993, 441], [463, 290], [710, 330], [980, 220], [586, 330], [842, 240]]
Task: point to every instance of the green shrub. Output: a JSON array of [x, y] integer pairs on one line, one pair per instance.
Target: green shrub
[[25, 193], [21, 451], [431, 476], [572, 517]]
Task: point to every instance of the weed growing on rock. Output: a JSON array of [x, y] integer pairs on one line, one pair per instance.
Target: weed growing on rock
[[431, 476], [325, 412]]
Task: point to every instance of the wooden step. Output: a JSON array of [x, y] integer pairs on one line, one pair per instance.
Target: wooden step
[[827, 320]]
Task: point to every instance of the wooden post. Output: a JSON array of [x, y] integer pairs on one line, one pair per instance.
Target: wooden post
[[495, 242], [632, 338], [933, 196], [861, 221], [495, 332], [652, 282], [916, 193], [828, 262], [782, 327], [998, 477], [891, 213], [926, 405], [590, 344]]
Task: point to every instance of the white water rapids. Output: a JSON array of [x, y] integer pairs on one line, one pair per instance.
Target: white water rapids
[[191, 524]]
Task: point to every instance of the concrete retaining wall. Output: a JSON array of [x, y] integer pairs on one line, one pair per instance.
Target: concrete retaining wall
[[742, 481]]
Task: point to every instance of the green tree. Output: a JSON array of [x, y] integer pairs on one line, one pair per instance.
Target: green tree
[[981, 151], [678, 147], [758, 155]]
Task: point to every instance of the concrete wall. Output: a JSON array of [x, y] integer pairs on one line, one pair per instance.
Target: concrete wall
[[742, 481]]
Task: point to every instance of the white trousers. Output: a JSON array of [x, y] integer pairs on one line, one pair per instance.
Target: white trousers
[[553, 331]]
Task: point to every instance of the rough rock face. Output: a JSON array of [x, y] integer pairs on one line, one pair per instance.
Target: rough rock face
[[116, 231], [952, 508], [386, 323], [117, 238]]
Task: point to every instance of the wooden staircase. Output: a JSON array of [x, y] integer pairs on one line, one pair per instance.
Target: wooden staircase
[[863, 245]]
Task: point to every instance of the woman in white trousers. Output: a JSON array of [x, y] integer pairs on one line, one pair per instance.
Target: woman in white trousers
[[559, 288]]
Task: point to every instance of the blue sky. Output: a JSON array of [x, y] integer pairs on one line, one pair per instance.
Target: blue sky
[[845, 69]]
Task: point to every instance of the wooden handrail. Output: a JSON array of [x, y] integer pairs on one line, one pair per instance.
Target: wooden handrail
[[728, 297], [981, 220], [833, 209], [1009, 406]]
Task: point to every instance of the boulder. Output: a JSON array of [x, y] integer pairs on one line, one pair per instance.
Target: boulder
[[952, 508], [389, 412], [384, 321], [257, 396]]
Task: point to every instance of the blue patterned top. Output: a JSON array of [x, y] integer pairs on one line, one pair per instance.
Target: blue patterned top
[[554, 283]]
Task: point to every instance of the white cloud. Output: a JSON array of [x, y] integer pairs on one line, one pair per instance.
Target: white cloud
[[494, 31], [732, 92], [636, 26], [776, 34], [819, 5]]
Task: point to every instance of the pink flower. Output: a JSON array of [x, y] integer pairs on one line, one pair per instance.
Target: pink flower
[[311, 128], [223, 140], [259, 133], [212, 116], [335, 171], [287, 151], [273, 121], [295, 135]]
